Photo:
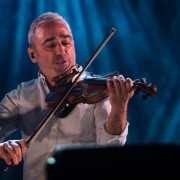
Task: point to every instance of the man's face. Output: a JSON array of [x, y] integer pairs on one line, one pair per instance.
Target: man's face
[[54, 49]]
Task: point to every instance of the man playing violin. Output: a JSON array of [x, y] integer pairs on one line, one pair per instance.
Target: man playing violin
[[51, 46]]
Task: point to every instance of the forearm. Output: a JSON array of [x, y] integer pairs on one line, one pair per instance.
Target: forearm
[[117, 121]]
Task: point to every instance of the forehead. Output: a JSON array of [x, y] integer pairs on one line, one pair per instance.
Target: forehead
[[52, 28]]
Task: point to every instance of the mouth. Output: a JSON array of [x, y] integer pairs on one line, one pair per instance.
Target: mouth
[[61, 60], [61, 64]]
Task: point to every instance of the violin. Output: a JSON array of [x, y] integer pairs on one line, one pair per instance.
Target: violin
[[90, 90]]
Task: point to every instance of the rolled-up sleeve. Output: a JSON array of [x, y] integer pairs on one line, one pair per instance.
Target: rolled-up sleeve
[[101, 113], [9, 117]]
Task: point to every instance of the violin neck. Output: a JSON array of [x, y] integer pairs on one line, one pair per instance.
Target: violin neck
[[97, 81]]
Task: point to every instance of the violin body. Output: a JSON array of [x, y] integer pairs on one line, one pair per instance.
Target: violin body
[[88, 91]]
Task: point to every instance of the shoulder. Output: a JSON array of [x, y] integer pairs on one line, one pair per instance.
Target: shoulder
[[27, 85], [15, 95], [23, 87]]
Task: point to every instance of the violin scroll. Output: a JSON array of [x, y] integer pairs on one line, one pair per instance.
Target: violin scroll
[[148, 90]]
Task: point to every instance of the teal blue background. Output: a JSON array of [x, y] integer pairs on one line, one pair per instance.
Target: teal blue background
[[145, 45]]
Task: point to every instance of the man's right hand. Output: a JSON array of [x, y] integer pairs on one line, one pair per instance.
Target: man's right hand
[[12, 151]]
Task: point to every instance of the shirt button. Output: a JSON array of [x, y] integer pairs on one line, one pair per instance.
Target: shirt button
[[51, 150], [54, 127]]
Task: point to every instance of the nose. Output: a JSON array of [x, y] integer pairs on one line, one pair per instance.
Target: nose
[[60, 49]]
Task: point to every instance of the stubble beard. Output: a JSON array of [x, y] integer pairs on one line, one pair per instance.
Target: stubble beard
[[61, 64]]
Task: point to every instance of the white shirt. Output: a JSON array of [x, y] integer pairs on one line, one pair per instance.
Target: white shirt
[[25, 107]]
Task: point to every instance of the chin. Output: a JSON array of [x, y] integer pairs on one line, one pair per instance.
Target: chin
[[60, 71]]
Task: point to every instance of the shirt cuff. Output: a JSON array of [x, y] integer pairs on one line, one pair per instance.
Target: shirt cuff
[[117, 139]]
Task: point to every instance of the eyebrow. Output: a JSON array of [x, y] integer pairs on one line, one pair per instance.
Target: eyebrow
[[48, 39], [53, 38]]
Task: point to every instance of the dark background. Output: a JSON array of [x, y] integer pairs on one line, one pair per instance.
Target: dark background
[[145, 45]]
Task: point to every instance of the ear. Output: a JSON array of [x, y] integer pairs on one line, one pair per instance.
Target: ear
[[32, 55]]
